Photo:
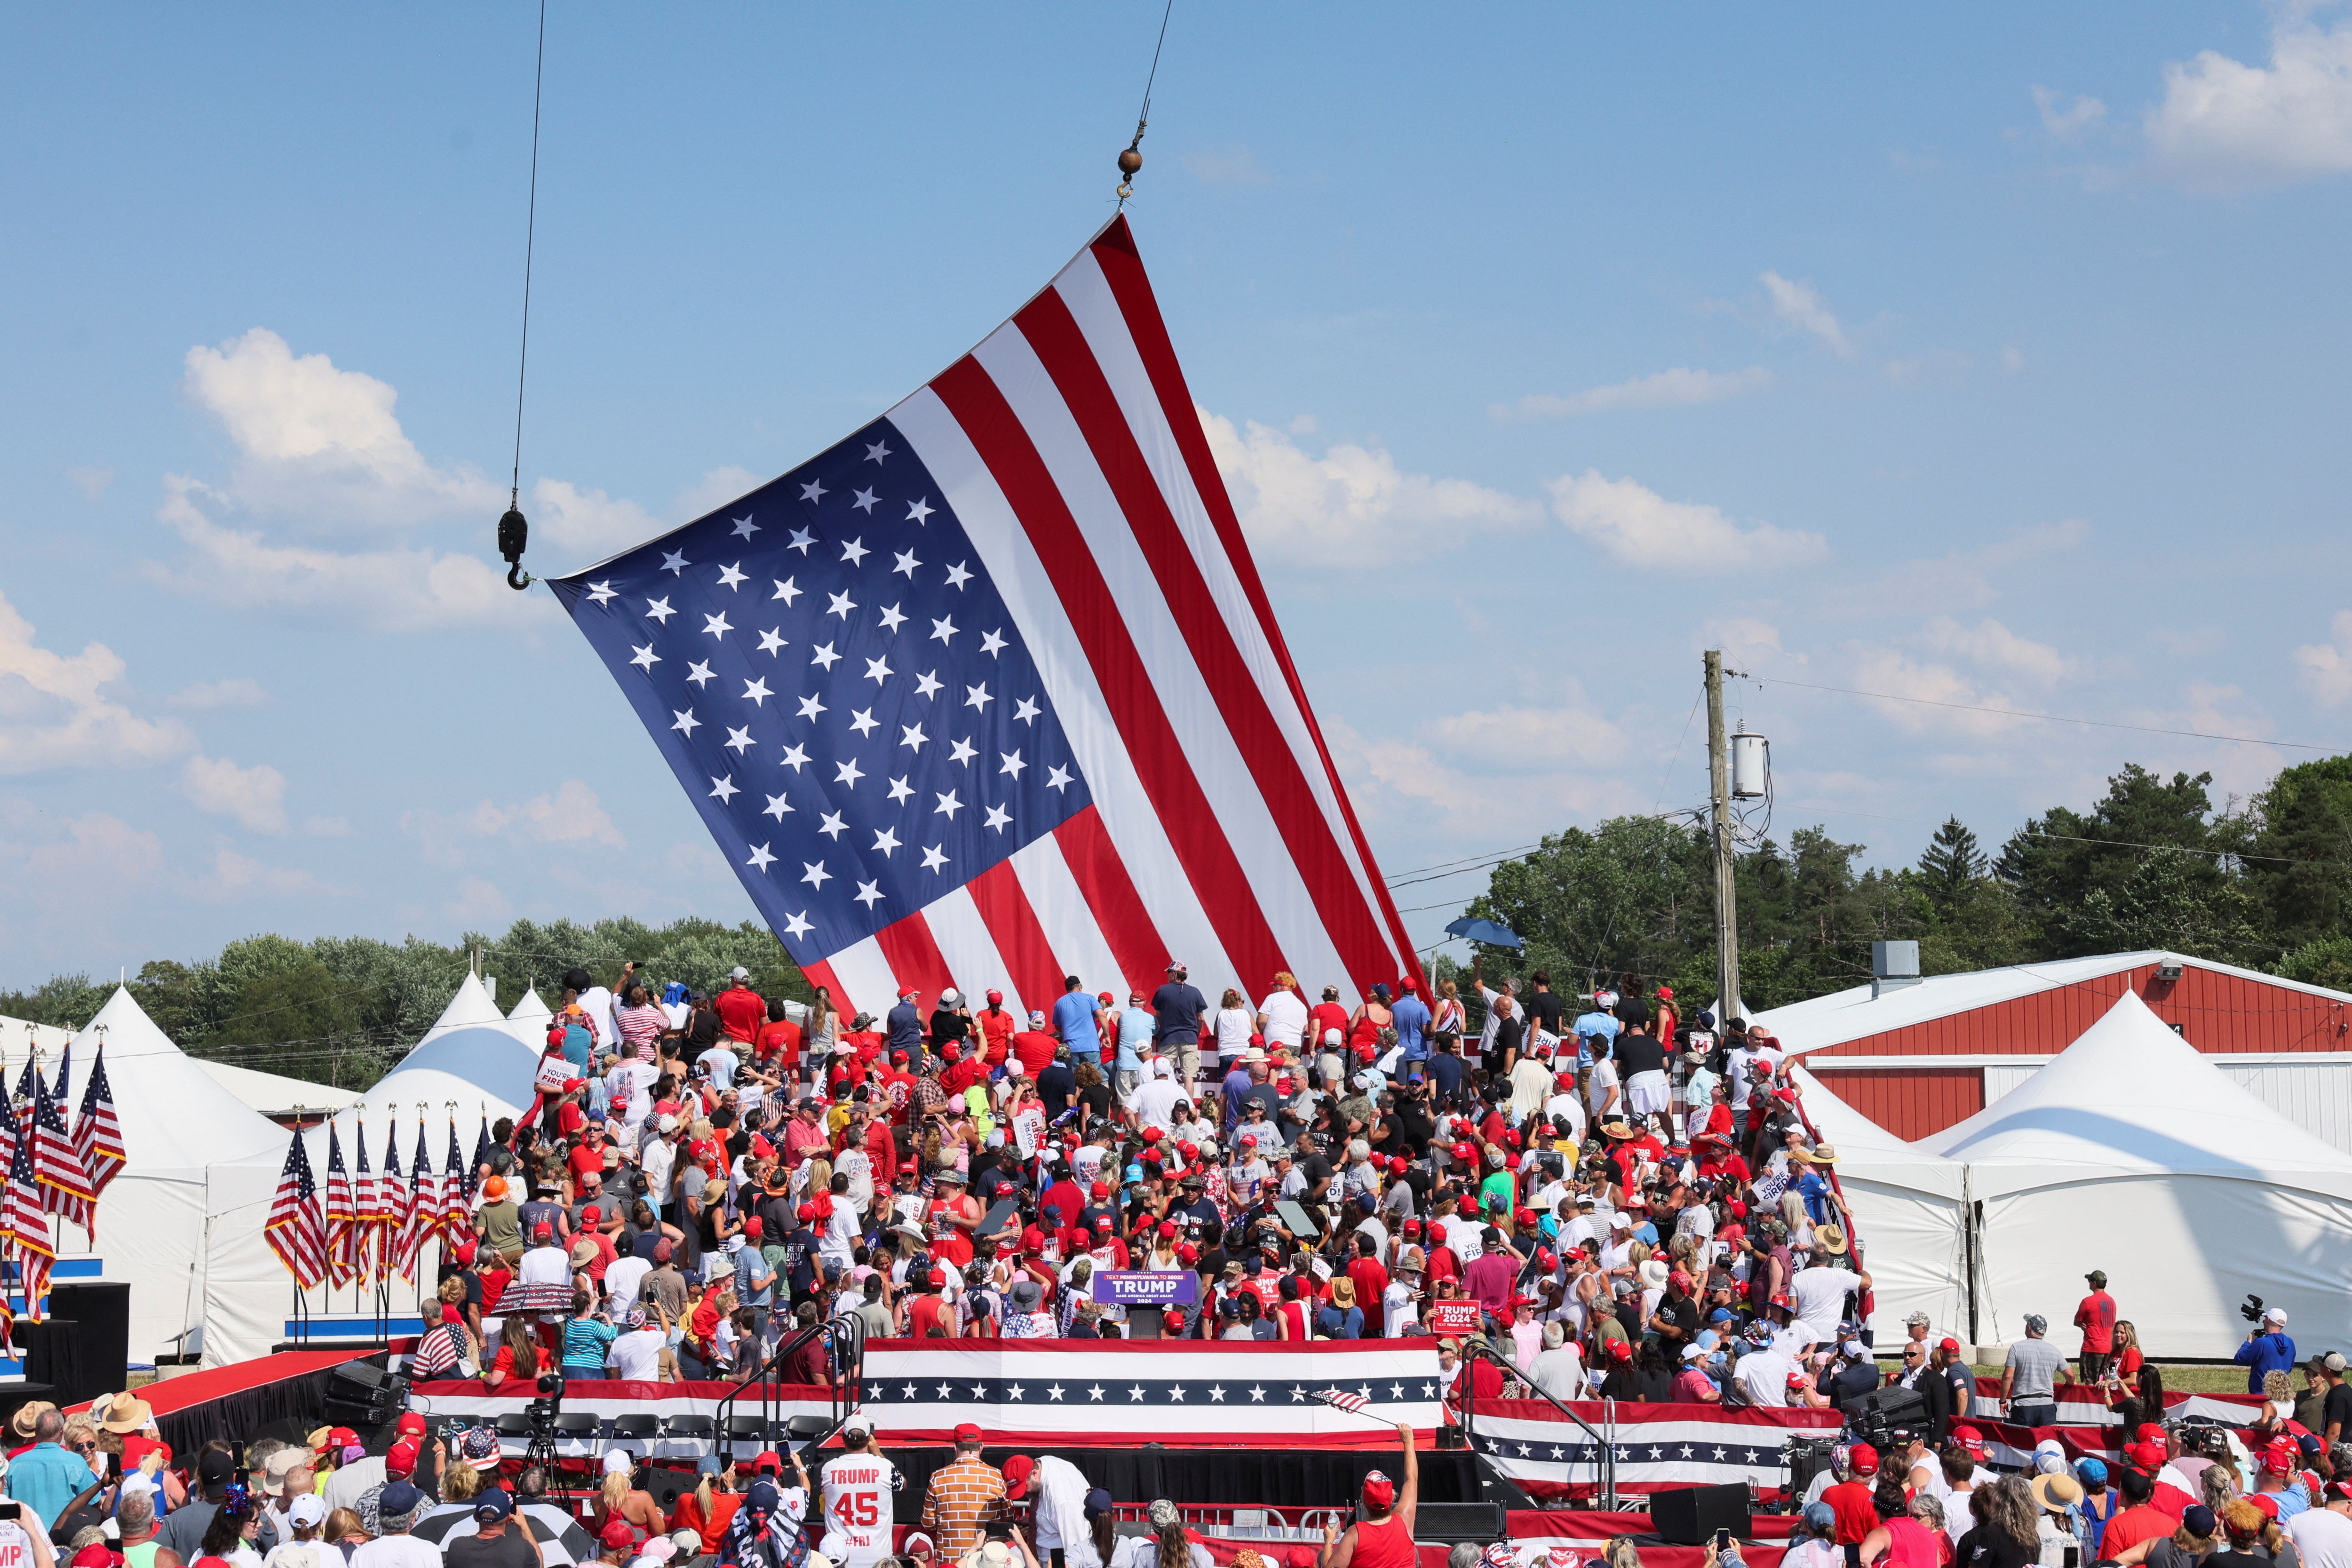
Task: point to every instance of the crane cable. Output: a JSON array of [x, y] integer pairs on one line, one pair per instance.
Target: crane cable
[[514, 529]]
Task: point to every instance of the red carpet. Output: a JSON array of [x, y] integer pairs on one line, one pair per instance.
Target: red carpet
[[175, 1394]]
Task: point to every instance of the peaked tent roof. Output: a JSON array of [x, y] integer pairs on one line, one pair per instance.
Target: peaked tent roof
[[274, 1094], [2132, 1097], [469, 1006], [1863, 1146], [175, 1116], [1854, 1015], [529, 1018]]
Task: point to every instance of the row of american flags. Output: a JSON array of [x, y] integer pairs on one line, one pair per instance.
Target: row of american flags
[[54, 1168], [371, 1224]]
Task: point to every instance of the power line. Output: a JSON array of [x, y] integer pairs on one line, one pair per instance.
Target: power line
[[2046, 718]]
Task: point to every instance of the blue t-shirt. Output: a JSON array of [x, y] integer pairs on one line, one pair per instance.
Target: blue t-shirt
[[1074, 1020], [586, 1343], [1134, 1035], [1814, 1188], [1446, 1068], [750, 1265], [906, 1024], [1411, 1016], [1178, 1008], [575, 1048]]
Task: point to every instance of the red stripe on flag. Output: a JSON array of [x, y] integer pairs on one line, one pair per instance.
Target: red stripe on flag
[[821, 974], [1020, 938], [1160, 765], [1116, 254], [1272, 766], [914, 957], [1110, 894]]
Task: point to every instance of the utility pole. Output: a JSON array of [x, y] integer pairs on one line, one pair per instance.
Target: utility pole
[[1726, 911]]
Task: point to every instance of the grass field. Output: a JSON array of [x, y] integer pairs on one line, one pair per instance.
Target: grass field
[[2180, 1378]]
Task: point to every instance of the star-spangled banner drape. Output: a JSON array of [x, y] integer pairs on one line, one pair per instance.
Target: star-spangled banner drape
[[990, 693]]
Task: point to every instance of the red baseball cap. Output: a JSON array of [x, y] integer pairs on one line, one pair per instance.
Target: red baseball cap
[[1971, 1439], [994, 997], [1864, 1459], [400, 1460], [617, 1531], [410, 1425], [967, 1433], [1620, 1350], [2150, 1457]]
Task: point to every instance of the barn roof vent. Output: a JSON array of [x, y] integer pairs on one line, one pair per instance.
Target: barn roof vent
[[1893, 965]]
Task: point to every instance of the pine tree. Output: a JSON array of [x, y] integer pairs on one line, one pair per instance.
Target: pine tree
[[1952, 864]]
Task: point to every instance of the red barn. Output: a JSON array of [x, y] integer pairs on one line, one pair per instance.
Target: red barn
[[1916, 1056]]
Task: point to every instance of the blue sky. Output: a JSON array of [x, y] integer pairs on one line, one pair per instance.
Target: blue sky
[[1992, 356]]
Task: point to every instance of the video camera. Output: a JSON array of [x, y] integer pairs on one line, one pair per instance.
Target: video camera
[[2251, 1309], [543, 1410], [1874, 1416]]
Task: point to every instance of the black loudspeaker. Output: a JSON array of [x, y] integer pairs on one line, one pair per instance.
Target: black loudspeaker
[[1688, 1516], [100, 1314], [1453, 1521], [1877, 1413], [665, 1486], [361, 1393]]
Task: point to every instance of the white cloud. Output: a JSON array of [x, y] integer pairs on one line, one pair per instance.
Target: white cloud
[[256, 796], [2326, 669], [1534, 739], [235, 875], [1799, 305], [2226, 125], [93, 851], [1236, 165], [395, 589], [1642, 528], [1662, 389], [1743, 637], [569, 815], [55, 714], [476, 904], [237, 692], [1897, 675], [1994, 645], [1962, 580], [321, 445], [1351, 506], [1425, 794], [586, 525], [2066, 118], [91, 482]]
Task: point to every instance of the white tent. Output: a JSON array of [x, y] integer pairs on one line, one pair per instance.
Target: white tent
[[1910, 1211], [2134, 1153], [530, 1019], [468, 1069], [275, 1095], [178, 1123]]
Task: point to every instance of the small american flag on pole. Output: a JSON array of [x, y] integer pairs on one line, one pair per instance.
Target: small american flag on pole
[[1341, 1399], [23, 1224], [65, 1183], [393, 1189], [296, 1230], [424, 1205], [97, 1135], [342, 1214], [367, 1210], [456, 1217]]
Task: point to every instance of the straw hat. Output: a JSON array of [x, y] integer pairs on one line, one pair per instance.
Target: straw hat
[[125, 1414], [1828, 1238], [2056, 1492], [27, 1415], [1819, 1154]]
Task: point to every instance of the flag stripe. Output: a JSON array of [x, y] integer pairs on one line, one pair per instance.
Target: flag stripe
[[862, 978], [1331, 904], [966, 941], [914, 957], [1025, 954], [1122, 269], [1139, 890], [1182, 699], [1061, 908], [1166, 773]]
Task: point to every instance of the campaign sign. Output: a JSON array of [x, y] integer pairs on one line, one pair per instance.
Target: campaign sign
[[1447, 1319], [1140, 1287]]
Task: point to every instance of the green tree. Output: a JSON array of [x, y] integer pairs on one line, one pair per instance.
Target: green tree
[[2056, 862], [2299, 864], [1951, 866]]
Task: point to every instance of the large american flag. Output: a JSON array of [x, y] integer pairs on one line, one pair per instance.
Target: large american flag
[[392, 1190], [991, 693], [296, 1229], [367, 1208], [457, 1195], [423, 1221]]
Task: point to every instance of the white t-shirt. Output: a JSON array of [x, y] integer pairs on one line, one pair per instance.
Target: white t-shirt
[[1818, 1295], [16, 1546], [1603, 1079], [1235, 1027], [1398, 1310], [1763, 1378], [858, 1507], [545, 1266], [396, 1552], [1748, 1064], [622, 1277], [1569, 1105], [2323, 1536], [1463, 1235], [635, 1356], [1285, 1020]]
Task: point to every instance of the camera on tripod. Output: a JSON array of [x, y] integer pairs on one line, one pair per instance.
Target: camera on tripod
[[543, 1410], [2251, 1309]]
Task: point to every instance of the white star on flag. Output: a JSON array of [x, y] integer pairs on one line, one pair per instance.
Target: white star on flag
[[841, 604], [963, 750], [906, 562], [948, 805], [745, 528], [771, 640], [673, 562], [812, 492], [1012, 763], [802, 540], [1059, 779], [928, 684], [761, 859], [832, 826], [868, 894], [716, 625], [997, 818], [685, 722], [776, 807], [855, 551], [699, 673], [919, 511], [934, 857], [959, 574], [825, 657], [799, 925], [659, 610], [863, 723], [878, 671], [892, 620], [601, 593], [796, 757], [739, 741], [901, 792], [886, 843], [877, 451], [732, 577], [647, 658], [788, 589], [1025, 710], [724, 790], [814, 874], [863, 500], [992, 643], [847, 772], [756, 692]]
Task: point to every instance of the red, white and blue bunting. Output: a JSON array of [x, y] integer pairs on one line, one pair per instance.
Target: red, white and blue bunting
[[1233, 1395], [1657, 1446]]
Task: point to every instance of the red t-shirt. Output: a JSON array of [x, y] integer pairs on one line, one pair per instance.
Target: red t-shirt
[[1321, 1017], [997, 1026], [2096, 1318], [929, 1312], [2131, 1527], [781, 1039], [1372, 1282], [1035, 1049], [742, 1012], [1857, 1516], [494, 1285]]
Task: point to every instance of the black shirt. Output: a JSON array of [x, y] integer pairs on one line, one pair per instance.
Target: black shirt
[[1545, 1008], [947, 1026], [1507, 1036], [509, 1551], [2336, 1410], [1055, 1084], [1985, 1548], [1639, 1053]]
